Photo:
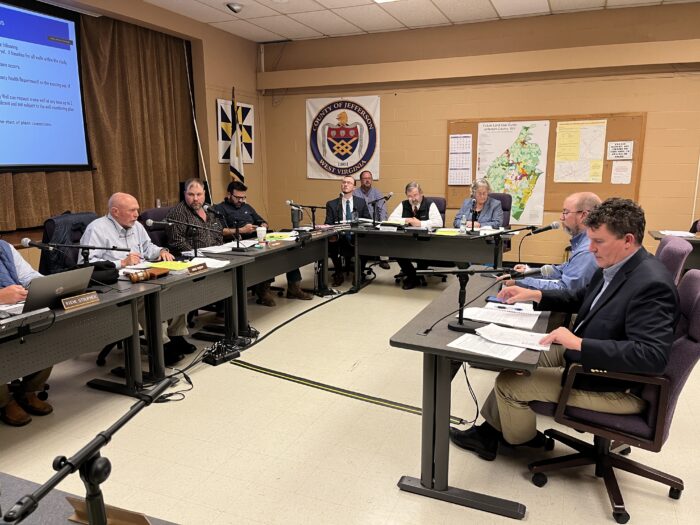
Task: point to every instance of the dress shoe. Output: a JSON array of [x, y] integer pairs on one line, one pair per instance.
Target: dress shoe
[[14, 415], [33, 405], [476, 439], [266, 300], [539, 441], [171, 354], [384, 265], [181, 344], [294, 291], [338, 279], [409, 283]]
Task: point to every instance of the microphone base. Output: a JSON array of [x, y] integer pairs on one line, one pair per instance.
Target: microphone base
[[467, 327], [239, 249]]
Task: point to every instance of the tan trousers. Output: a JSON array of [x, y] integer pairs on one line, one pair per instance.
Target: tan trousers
[[175, 326], [507, 410], [30, 383]]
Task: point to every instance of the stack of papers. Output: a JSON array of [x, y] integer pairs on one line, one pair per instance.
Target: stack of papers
[[677, 233], [447, 231], [478, 345], [512, 337], [211, 263], [226, 247]]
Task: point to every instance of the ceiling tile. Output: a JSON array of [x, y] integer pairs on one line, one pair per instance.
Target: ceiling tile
[[251, 8], [334, 4], [459, 11], [248, 31], [326, 22], [285, 26], [415, 13], [292, 6], [561, 6], [194, 10], [511, 8], [631, 3], [370, 18]]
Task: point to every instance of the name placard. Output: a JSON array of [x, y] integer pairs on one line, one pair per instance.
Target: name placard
[[196, 268], [80, 301]]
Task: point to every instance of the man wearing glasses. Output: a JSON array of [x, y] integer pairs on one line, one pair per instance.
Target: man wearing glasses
[[237, 213], [579, 269]]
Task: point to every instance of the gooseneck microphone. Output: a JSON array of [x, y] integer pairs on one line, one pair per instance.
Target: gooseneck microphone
[[151, 222], [27, 242], [554, 226], [209, 208], [290, 202]]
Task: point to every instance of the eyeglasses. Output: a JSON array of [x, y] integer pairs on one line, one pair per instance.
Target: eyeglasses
[[239, 197], [564, 213]]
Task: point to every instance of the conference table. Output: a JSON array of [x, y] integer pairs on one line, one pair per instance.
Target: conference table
[[180, 293], [38, 345], [693, 260], [276, 258], [424, 245], [437, 378]]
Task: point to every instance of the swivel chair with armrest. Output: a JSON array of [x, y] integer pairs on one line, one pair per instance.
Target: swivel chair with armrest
[[648, 430], [672, 252]]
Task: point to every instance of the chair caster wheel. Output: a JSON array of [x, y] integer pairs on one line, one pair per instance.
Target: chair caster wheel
[[621, 517], [549, 444], [674, 493], [101, 362], [625, 451], [539, 479]]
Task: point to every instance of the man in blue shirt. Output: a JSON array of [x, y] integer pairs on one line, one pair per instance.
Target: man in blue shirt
[[15, 276], [370, 194], [579, 269]]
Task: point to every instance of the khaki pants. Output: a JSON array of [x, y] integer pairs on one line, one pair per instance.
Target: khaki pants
[[507, 410], [30, 383], [175, 326]]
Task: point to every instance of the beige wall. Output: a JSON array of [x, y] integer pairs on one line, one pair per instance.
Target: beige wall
[[414, 118], [220, 61]]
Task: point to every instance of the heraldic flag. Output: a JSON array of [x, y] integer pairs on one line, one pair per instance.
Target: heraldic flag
[[236, 168]]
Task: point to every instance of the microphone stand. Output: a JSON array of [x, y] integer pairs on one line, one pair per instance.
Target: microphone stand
[[85, 249], [375, 209], [237, 248], [313, 212], [190, 229], [94, 469], [463, 275], [473, 215]]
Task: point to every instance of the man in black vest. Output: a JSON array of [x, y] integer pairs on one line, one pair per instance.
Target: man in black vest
[[343, 209], [418, 212]]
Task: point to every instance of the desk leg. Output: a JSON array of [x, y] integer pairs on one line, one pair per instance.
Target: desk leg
[[435, 446], [156, 357], [358, 267], [323, 271], [132, 362], [230, 319], [498, 252], [241, 302]]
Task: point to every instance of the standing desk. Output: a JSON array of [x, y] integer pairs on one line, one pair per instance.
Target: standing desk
[[277, 259], [426, 246], [437, 357], [76, 332], [178, 294], [693, 260]]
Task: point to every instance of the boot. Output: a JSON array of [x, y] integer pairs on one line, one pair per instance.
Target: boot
[[294, 291], [14, 415], [33, 405], [264, 294]]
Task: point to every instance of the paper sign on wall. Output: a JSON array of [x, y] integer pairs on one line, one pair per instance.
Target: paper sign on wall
[[620, 150], [621, 172], [459, 167]]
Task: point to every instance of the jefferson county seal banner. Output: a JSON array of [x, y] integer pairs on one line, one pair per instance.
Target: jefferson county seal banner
[[342, 137]]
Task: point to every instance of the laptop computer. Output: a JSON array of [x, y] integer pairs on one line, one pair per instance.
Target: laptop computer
[[47, 291]]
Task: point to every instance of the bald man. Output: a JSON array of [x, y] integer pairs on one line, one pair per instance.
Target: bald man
[[121, 228]]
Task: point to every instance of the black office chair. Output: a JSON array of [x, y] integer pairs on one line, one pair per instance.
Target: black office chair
[[66, 228]]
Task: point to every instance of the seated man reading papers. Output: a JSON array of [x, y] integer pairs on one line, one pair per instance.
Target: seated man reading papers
[[626, 319]]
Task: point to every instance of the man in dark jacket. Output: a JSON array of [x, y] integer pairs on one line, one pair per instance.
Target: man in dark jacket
[[344, 209], [625, 323]]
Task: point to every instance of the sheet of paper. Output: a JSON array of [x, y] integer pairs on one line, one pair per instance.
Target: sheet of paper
[[580, 147], [478, 345], [459, 165], [523, 319], [517, 307], [211, 263], [677, 233], [173, 266], [620, 149], [621, 172], [512, 337], [226, 247]]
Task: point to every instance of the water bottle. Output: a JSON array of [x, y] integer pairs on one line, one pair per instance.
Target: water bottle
[[463, 224]]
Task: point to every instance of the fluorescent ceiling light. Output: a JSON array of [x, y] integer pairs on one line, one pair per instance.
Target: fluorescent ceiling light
[[384, 1]]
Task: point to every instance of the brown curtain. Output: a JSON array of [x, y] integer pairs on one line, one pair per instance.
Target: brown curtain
[[139, 124]]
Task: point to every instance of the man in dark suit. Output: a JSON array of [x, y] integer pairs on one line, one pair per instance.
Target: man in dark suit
[[626, 318], [344, 209]]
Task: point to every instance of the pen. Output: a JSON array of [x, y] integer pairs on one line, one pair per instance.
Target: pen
[[501, 307]]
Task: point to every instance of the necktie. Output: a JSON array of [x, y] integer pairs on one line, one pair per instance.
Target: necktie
[[348, 213], [415, 211]]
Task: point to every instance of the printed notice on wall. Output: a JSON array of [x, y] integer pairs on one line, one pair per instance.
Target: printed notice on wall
[[620, 150], [459, 167], [621, 172], [580, 147]]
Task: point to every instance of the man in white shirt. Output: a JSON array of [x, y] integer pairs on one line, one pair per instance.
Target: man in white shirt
[[418, 212]]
